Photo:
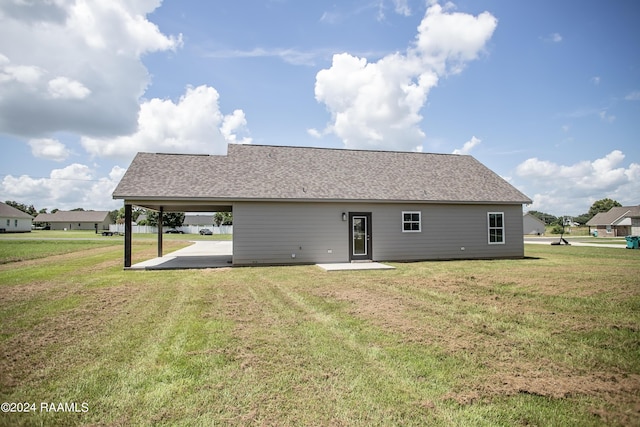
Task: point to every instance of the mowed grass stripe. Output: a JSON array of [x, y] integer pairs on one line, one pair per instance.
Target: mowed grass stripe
[[143, 361], [326, 358]]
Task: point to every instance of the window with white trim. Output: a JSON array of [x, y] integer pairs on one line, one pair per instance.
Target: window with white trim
[[496, 227], [411, 222]]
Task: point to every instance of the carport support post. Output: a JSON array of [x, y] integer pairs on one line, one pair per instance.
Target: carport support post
[[127, 236], [160, 220]]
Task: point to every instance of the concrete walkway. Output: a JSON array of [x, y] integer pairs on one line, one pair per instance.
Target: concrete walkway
[[202, 254], [347, 266]]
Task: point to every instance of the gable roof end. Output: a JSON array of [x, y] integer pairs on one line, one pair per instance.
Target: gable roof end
[[614, 215], [7, 211]]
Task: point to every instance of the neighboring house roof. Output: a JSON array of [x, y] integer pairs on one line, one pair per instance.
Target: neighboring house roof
[[198, 220], [534, 218], [259, 172], [73, 216], [614, 215], [7, 211]]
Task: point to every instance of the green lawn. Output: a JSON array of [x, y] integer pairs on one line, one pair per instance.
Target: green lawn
[[21, 250], [553, 339]]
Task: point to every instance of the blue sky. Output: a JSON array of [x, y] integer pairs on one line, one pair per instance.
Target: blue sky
[[545, 93]]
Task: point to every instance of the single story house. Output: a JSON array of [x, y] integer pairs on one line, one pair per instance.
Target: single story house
[[13, 220], [618, 221], [533, 225], [315, 205], [76, 220]]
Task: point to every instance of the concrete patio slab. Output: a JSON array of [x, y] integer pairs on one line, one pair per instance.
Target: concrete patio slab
[[202, 254], [347, 266]]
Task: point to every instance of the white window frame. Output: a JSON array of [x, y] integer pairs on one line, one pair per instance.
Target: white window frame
[[489, 228], [419, 221]]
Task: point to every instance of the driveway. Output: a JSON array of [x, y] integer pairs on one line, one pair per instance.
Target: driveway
[[201, 254], [549, 240]]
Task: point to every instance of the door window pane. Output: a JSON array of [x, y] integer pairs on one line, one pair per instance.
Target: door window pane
[[359, 236]]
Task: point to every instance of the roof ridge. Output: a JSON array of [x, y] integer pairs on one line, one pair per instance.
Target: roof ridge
[[183, 154], [348, 149]]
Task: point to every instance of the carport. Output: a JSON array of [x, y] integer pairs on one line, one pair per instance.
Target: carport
[[199, 258]]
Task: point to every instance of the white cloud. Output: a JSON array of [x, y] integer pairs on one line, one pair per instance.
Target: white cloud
[[402, 7], [377, 104], [74, 186], [571, 189], [233, 123], [553, 38], [192, 125], [47, 148], [595, 80], [290, 56], [468, 146], [84, 51], [65, 88], [314, 133], [609, 118], [633, 96], [26, 75]]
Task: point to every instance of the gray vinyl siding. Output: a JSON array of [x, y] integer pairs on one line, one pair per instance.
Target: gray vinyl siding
[[446, 230], [271, 232]]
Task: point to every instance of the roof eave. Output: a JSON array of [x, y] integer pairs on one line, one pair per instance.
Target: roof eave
[[207, 200]]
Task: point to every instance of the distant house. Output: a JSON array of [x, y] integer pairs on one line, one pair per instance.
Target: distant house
[[533, 225], [314, 205], [13, 220], [75, 220], [618, 221]]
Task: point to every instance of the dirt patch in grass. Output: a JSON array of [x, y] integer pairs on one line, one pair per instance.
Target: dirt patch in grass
[[35, 334], [457, 314], [55, 259], [26, 353]]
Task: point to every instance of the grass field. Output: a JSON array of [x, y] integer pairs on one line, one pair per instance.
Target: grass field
[[553, 339]]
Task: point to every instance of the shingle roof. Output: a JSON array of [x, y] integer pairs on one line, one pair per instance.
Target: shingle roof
[[73, 216], [614, 214], [7, 211], [258, 172]]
